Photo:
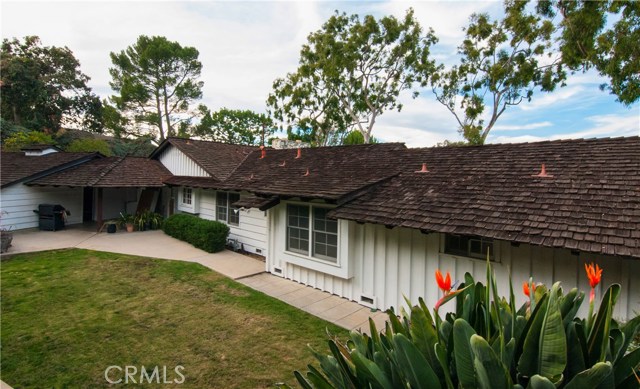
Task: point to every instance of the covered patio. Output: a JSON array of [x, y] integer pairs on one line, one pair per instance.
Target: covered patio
[[113, 185]]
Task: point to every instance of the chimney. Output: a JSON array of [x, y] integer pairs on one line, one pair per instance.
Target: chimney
[[299, 154], [423, 170], [263, 152], [543, 172]]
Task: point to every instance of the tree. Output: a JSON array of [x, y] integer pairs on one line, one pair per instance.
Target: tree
[[356, 138], [502, 63], [351, 71], [43, 87], [21, 139], [234, 126], [587, 41], [90, 145], [157, 80]]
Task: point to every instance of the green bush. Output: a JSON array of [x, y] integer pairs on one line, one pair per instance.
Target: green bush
[[488, 343], [208, 235]]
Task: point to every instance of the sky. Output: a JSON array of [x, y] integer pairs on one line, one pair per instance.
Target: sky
[[245, 46]]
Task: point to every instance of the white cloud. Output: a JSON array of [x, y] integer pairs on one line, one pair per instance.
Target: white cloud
[[244, 46], [521, 127]]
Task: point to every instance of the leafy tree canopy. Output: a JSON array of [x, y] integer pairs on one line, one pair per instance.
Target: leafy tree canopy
[[356, 138], [156, 81], [234, 126], [90, 145], [504, 61], [588, 41], [44, 89], [351, 71], [21, 139]]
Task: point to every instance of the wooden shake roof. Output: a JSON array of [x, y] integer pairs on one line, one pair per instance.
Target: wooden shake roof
[[217, 159], [109, 172], [589, 200], [17, 167]]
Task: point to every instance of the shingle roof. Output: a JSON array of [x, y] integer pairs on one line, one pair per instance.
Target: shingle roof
[[333, 172], [193, 182], [109, 172], [217, 159], [17, 167], [592, 202]]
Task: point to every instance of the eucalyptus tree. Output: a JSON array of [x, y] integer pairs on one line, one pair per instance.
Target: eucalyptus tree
[[532, 49], [351, 71], [157, 80]]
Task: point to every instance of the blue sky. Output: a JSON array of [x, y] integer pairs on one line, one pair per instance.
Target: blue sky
[[244, 46]]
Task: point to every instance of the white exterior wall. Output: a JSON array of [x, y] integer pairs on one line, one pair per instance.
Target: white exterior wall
[[386, 264], [116, 200], [252, 228], [19, 201], [179, 164]]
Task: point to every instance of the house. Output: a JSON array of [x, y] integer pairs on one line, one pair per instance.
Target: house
[[89, 186], [372, 223]]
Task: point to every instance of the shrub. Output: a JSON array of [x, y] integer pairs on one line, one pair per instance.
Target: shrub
[[208, 235], [488, 343]]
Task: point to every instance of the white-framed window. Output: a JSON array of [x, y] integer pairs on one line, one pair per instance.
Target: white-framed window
[[187, 196], [224, 211], [188, 200], [310, 232], [469, 246]]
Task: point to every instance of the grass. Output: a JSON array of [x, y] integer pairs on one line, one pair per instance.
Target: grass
[[69, 314]]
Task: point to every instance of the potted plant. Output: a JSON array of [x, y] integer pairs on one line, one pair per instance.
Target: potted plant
[[6, 236], [127, 221]]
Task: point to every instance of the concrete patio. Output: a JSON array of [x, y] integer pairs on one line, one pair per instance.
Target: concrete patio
[[245, 269]]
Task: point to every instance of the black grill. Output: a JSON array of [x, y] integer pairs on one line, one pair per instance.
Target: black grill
[[51, 217]]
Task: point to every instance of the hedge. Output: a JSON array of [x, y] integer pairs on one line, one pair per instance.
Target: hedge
[[208, 235]]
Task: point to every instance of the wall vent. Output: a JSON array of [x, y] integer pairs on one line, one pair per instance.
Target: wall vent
[[258, 251], [368, 301], [277, 270]]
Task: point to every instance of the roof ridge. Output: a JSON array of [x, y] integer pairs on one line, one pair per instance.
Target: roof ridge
[[107, 170]]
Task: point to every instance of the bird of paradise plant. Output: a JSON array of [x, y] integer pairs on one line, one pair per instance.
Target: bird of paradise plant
[[594, 274]]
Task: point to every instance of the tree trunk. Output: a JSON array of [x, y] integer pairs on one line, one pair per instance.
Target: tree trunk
[[159, 110], [166, 112]]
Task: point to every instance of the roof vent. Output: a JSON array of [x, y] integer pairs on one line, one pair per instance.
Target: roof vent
[[251, 176], [299, 154], [423, 170], [283, 164], [263, 152], [307, 173], [543, 172]]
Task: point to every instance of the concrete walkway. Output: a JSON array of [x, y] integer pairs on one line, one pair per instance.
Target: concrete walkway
[[245, 269]]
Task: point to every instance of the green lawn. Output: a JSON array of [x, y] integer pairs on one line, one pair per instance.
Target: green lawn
[[67, 315]]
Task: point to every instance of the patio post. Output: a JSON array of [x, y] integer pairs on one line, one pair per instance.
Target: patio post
[[99, 209]]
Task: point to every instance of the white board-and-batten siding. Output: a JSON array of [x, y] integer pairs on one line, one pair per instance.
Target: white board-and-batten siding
[[18, 202], [387, 264], [179, 164], [251, 230]]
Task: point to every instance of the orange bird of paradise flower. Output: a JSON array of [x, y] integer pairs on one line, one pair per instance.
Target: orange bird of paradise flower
[[444, 283], [594, 274], [525, 288]]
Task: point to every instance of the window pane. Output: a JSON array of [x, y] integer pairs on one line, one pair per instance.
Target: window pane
[[221, 206], [298, 228], [332, 226], [234, 216], [332, 251]]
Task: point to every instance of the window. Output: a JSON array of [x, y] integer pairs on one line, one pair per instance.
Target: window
[[224, 211], [304, 222], [469, 246], [186, 196]]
